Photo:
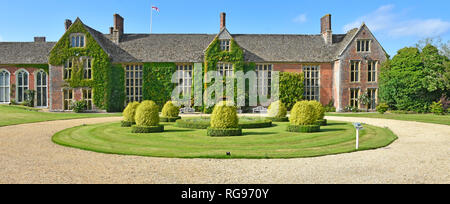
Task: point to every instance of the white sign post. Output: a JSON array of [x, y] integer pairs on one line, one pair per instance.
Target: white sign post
[[358, 127]]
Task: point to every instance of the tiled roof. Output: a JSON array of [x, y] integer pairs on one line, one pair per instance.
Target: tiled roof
[[25, 52]]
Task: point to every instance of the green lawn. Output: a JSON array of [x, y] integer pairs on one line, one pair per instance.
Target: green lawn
[[273, 142], [425, 118], [13, 115]]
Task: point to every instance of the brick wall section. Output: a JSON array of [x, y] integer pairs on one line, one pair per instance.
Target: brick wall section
[[376, 53], [56, 86], [31, 78]]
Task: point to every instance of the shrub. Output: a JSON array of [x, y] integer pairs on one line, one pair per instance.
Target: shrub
[[169, 119], [351, 109], [437, 108], [130, 112], [170, 110], [291, 88], [147, 129], [303, 113], [147, 114], [126, 123], [218, 132], [319, 109], [304, 128], [277, 110], [330, 107], [79, 106], [382, 108], [194, 123], [29, 98], [322, 122], [224, 116], [284, 119]]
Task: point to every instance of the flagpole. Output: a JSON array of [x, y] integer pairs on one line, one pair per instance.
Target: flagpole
[[151, 19]]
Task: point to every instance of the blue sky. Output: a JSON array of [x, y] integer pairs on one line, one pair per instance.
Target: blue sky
[[396, 24]]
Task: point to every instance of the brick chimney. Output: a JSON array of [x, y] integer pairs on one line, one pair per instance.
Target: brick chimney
[[117, 30], [325, 29], [39, 39], [223, 19], [67, 24]]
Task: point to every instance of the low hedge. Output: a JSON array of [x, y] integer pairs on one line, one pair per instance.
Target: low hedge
[[218, 132], [303, 128], [255, 124], [169, 119], [322, 122], [126, 123], [275, 119], [147, 129], [192, 123]]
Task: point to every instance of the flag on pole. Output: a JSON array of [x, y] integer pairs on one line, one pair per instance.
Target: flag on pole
[[155, 8]]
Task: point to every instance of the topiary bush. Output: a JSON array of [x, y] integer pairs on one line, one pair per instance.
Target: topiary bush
[[129, 113], [303, 114], [223, 118], [382, 108], [277, 110], [320, 112], [147, 115], [170, 112]]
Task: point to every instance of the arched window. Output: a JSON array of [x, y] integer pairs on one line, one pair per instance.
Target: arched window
[[41, 89], [4, 86], [22, 85]]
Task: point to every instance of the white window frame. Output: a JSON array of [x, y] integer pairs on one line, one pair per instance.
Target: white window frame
[[23, 86], [88, 98], [5, 77], [264, 79], [184, 77], [354, 100], [78, 40], [87, 68], [363, 45], [133, 82], [225, 69], [68, 100], [373, 96], [68, 69], [225, 45], [41, 87], [372, 68], [312, 82], [355, 73]]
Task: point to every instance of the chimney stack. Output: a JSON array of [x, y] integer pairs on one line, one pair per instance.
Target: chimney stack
[[39, 39], [111, 30], [118, 28], [223, 18], [67, 24], [325, 29]]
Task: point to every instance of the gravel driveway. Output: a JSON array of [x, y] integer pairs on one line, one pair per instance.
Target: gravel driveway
[[420, 155]]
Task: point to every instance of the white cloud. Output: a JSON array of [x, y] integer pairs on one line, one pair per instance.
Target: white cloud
[[300, 18], [388, 21]]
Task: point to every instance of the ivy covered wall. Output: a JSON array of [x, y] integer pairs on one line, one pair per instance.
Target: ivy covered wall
[[157, 82], [102, 69]]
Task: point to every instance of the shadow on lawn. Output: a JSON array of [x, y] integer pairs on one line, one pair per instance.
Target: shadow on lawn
[[246, 133]]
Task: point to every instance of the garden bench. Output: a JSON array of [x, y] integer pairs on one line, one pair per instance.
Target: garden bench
[[187, 110], [260, 109]]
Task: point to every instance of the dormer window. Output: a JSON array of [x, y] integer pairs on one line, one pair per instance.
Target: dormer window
[[225, 45], [363, 46], [77, 40]]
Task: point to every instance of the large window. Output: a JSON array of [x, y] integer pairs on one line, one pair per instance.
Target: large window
[[68, 99], [354, 71], [87, 68], [133, 82], [372, 94], [363, 45], [354, 97], [68, 67], [312, 82], [225, 69], [22, 85], [185, 78], [41, 89], [87, 96], [372, 71], [77, 40], [4, 86], [264, 74], [225, 45]]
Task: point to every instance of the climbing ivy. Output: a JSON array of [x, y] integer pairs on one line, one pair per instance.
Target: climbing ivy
[[157, 82], [101, 66]]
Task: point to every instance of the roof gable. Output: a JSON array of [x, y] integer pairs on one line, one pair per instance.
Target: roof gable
[[352, 37]]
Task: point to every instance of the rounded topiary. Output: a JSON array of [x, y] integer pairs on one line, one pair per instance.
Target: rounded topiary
[[303, 118], [320, 112], [224, 121], [170, 110], [147, 114], [129, 113], [277, 110], [224, 116]]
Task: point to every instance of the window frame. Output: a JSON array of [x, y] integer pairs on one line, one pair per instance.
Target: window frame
[[69, 100], [41, 86], [355, 73], [76, 39], [373, 72], [89, 101], [225, 45], [354, 100], [6, 86], [225, 69], [86, 69], [263, 80], [367, 44], [23, 87], [310, 90], [373, 96], [134, 84], [185, 83]]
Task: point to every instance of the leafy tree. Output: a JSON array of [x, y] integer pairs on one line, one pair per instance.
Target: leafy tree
[[291, 88]]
